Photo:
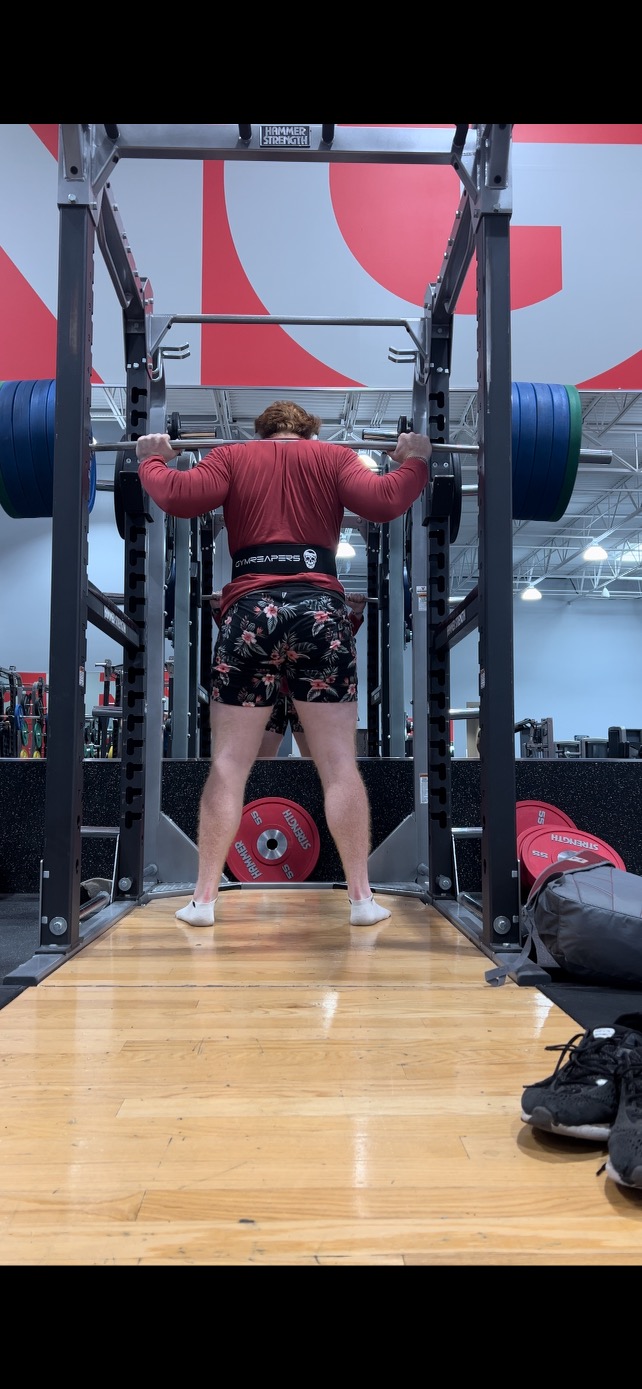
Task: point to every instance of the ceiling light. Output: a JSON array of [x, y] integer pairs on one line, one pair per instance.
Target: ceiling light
[[368, 461], [606, 593], [530, 594], [595, 552], [345, 550]]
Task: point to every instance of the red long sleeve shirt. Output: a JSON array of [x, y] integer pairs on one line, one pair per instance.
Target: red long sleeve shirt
[[283, 489]]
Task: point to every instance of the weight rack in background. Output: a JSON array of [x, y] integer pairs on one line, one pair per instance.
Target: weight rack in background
[[23, 714]]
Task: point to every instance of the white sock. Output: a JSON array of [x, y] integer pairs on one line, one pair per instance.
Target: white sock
[[366, 913], [198, 913]]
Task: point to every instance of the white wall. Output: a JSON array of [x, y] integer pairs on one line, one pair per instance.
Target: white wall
[[578, 663]]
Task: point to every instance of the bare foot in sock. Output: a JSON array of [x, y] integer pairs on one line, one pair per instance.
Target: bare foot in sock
[[367, 913], [197, 913]]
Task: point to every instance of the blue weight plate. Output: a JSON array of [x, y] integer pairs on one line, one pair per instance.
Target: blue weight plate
[[4, 499], [515, 431], [22, 448], [552, 484], [524, 457], [16, 492], [534, 503], [51, 423], [92, 481], [51, 441], [40, 444]]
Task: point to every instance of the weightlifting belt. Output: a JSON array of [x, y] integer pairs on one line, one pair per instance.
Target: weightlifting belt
[[279, 557]]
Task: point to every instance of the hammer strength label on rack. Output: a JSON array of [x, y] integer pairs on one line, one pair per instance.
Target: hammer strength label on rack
[[285, 136], [116, 621], [246, 858]]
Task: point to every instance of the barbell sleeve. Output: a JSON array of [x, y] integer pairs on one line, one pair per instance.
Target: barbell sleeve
[[388, 441]]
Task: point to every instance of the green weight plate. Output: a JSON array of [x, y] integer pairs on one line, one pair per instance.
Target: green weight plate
[[573, 457], [559, 453], [4, 499], [24, 733], [534, 500], [16, 493], [37, 734], [26, 462]]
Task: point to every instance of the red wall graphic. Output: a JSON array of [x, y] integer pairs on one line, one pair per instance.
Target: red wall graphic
[[395, 221]]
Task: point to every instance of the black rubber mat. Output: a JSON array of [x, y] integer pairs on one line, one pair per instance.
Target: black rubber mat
[[19, 938], [593, 1005]]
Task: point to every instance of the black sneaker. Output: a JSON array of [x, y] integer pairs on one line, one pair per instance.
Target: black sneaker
[[624, 1161], [580, 1099]]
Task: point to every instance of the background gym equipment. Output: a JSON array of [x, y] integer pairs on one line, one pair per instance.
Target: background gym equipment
[[27, 417], [624, 742], [23, 716], [539, 814], [542, 846], [276, 842]]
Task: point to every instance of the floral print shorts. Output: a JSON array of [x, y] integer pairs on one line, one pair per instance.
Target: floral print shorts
[[286, 638]]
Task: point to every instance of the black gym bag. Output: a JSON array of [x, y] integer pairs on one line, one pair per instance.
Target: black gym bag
[[586, 921]]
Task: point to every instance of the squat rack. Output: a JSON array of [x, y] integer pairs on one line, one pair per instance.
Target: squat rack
[[149, 847]]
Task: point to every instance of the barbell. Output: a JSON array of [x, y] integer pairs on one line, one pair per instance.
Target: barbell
[[546, 432]]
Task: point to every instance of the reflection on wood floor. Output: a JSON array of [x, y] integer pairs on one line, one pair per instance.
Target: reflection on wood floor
[[284, 1089]]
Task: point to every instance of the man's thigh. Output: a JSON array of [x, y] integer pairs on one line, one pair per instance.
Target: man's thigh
[[330, 731], [237, 733]]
